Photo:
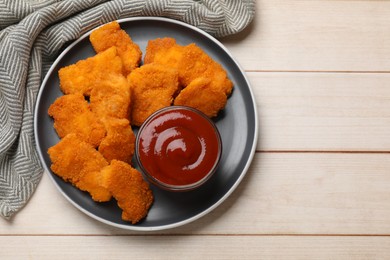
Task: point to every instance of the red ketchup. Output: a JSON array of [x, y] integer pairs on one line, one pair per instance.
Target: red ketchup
[[178, 148]]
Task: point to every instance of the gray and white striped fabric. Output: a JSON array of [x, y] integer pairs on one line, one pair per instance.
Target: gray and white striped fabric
[[32, 34]]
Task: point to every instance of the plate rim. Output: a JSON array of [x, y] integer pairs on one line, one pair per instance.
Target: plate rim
[[182, 222]]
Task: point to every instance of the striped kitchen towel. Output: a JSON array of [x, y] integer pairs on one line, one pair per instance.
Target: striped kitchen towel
[[33, 32]]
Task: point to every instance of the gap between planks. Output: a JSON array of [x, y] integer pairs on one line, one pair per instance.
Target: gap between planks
[[323, 151], [199, 235], [321, 71]]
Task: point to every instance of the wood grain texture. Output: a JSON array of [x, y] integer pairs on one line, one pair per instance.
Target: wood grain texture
[[283, 193], [323, 111], [195, 247], [304, 35], [319, 185]]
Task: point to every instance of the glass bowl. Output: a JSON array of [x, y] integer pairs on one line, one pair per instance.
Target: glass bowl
[[178, 148]]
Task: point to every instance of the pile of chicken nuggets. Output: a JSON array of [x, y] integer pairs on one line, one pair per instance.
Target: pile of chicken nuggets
[[105, 95]]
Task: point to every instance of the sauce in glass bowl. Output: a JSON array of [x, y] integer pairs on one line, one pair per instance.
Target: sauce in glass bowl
[[178, 148]]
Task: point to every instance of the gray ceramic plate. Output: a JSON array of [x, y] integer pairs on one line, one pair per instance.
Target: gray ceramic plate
[[237, 124]]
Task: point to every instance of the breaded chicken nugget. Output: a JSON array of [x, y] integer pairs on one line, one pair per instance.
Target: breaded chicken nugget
[[190, 61], [200, 94], [130, 190], [72, 114], [79, 163], [83, 76], [119, 142], [162, 45], [152, 87], [196, 63], [111, 98], [110, 35]]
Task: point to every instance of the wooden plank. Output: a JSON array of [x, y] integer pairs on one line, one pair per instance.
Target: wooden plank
[[302, 193], [323, 111], [283, 193], [315, 36], [194, 247]]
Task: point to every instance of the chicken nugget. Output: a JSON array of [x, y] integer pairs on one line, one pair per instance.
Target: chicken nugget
[[162, 45], [91, 181], [130, 190], [110, 35], [111, 98], [152, 87], [119, 142], [202, 95], [83, 76], [79, 163], [196, 63], [190, 61], [72, 114]]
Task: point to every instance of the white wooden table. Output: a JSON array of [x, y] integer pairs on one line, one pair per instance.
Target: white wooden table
[[319, 185]]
